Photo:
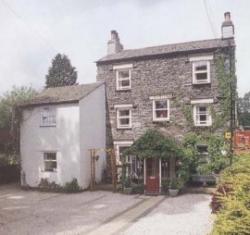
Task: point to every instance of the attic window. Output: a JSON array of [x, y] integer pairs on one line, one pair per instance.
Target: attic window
[[48, 117]]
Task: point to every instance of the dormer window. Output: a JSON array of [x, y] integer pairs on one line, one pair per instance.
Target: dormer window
[[123, 77], [201, 69]]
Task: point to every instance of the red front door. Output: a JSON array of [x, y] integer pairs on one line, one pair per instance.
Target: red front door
[[152, 176]]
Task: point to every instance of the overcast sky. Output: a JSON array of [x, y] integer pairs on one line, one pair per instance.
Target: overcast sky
[[33, 31]]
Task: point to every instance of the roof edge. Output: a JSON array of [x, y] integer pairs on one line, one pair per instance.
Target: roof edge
[[106, 61]]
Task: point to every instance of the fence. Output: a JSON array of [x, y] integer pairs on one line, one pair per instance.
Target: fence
[[242, 141], [9, 174]]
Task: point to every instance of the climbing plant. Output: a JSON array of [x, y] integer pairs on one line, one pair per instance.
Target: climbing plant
[[217, 149], [154, 144]]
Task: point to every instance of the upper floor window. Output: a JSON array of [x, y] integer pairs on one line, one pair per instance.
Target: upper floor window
[[124, 116], [201, 69], [123, 76], [202, 116], [48, 117], [201, 112], [161, 109], [50, 161], [201, 72]]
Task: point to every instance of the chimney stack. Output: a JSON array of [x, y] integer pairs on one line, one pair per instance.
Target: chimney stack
[[114, 45], [227, 27]]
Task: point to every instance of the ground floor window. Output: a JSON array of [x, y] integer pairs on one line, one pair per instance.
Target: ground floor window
[[164, 169], [131, 165], [50, 161]]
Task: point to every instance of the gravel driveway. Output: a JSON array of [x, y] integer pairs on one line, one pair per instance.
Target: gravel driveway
[[187, 214], [30, 212], [35, 213]]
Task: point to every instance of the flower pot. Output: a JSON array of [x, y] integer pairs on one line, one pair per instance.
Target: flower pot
[[173, 192], [127, 190]]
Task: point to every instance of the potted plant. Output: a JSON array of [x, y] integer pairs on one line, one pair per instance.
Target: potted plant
[[127, 188], [175, 185]]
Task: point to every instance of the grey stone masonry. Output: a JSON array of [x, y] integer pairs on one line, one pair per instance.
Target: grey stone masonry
[[169, 75]]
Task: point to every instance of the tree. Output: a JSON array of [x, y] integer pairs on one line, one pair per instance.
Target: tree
[[9, 100], [9, 121], [61, 73], [244, 110]]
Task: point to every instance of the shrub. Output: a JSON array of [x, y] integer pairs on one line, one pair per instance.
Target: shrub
[[176, 183], [165, 185], [72, 187], [232, 199], [45, 185], [138, 188]]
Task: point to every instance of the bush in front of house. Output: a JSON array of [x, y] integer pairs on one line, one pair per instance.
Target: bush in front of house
[[137, 188], [69, 187], [232, 199], [72, 187]]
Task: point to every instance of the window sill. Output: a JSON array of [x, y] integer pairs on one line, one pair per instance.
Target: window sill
[[161, 120], [201, 83], [125, 89], [124, 128], [47, 125], [44, 171], [199, 125]]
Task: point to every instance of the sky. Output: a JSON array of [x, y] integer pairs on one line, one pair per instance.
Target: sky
[[32, 32]]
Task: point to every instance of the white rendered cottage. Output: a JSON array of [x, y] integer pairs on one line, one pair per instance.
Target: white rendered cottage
[[57, 129]]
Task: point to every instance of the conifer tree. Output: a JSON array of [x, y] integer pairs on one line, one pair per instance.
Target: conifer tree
[[61, 73]]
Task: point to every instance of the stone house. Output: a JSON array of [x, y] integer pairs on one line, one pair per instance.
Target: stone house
[[173, 88], [58, 128]]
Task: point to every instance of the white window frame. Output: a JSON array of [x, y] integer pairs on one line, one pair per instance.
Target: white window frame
[[119, 68], [201, 58], [49, 160], [208, 114], [119, 144], [118, 117], [155, 118], [207, 71], [50, 114]]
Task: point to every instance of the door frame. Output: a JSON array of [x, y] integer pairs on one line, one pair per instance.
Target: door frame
[[145, 174]]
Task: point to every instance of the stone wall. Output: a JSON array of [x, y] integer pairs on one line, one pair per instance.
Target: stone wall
[[171, 76]]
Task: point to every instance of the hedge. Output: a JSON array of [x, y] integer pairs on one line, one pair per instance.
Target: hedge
[[231, 202]]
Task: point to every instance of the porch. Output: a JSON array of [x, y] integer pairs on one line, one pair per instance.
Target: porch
[[151, 175]]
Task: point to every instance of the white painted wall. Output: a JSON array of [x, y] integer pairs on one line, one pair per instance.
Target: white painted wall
[[92, 133], [64, 139]]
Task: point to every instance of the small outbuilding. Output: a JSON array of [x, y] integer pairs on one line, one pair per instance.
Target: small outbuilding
[[58, 128]]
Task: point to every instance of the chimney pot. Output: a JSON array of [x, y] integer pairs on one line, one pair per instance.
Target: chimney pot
[[114, 44], [227, 27], [227, 16]]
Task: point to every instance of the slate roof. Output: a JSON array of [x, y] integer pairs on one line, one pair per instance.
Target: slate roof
[[65, 94], [168, 49]]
